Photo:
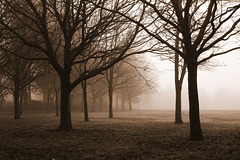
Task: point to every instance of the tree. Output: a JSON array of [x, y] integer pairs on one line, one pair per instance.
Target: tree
[[139, 78], [115, 80], [85, 105], [81, 26], [202, 25], [98, 89], [20, 73]]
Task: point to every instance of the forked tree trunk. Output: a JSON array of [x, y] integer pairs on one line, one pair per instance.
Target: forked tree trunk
[[85, 105], [65, 109], [16, 101], [195, 126], [178, 83]]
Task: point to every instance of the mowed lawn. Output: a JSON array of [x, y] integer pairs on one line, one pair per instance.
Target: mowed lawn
[[142, 135]]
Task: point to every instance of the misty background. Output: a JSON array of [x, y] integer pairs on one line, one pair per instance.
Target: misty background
[[219, 87]]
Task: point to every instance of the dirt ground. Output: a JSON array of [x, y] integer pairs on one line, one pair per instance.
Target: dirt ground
[[136, 135]]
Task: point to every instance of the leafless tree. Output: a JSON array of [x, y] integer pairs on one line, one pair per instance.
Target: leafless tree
[[202, 25], [19, 74], [79, 25]]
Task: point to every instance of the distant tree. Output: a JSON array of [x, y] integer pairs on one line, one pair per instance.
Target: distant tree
[[19, 74], [97, 89], [135, 87], [115, 80], [139, 78], [81, 25], [46, 87]]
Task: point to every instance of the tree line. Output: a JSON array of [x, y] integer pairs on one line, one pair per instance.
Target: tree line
[[83, 39]]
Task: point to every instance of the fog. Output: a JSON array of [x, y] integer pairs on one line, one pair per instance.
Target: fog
[[218, 88]]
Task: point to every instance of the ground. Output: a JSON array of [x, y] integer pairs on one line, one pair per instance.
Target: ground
[[137, 135]]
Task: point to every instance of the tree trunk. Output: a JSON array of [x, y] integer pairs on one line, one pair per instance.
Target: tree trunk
[[56, 103], [72, 98], [84, 88], [80, 99], [195, 126], [110, 92], [123, 107], [29, 95], [178, 83], [130, 103], [48, 100], [16, 100], [116, 102], [110, 95], [65, 109], [21, 103], [178, 104]]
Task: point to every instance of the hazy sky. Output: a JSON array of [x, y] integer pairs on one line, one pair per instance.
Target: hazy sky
[[218, 88]]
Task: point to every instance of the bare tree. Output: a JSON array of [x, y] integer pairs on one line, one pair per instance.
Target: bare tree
[[115, 78], [80, 25], [98, 89], [20, 73], [202, 25]]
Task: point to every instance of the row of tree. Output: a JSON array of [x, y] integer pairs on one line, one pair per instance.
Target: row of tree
[[21, 78], [87, 37]]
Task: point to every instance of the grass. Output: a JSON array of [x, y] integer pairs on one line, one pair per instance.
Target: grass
[[142, 135]]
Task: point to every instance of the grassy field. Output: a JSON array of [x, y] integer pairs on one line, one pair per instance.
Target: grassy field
[[142, 135]]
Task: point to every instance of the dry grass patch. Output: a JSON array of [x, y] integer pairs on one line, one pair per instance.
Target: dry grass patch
[[130, 135]]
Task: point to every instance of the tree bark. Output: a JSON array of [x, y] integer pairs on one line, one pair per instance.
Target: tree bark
[[65, 109], [16, 100], [84, 88], [195, 126]]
